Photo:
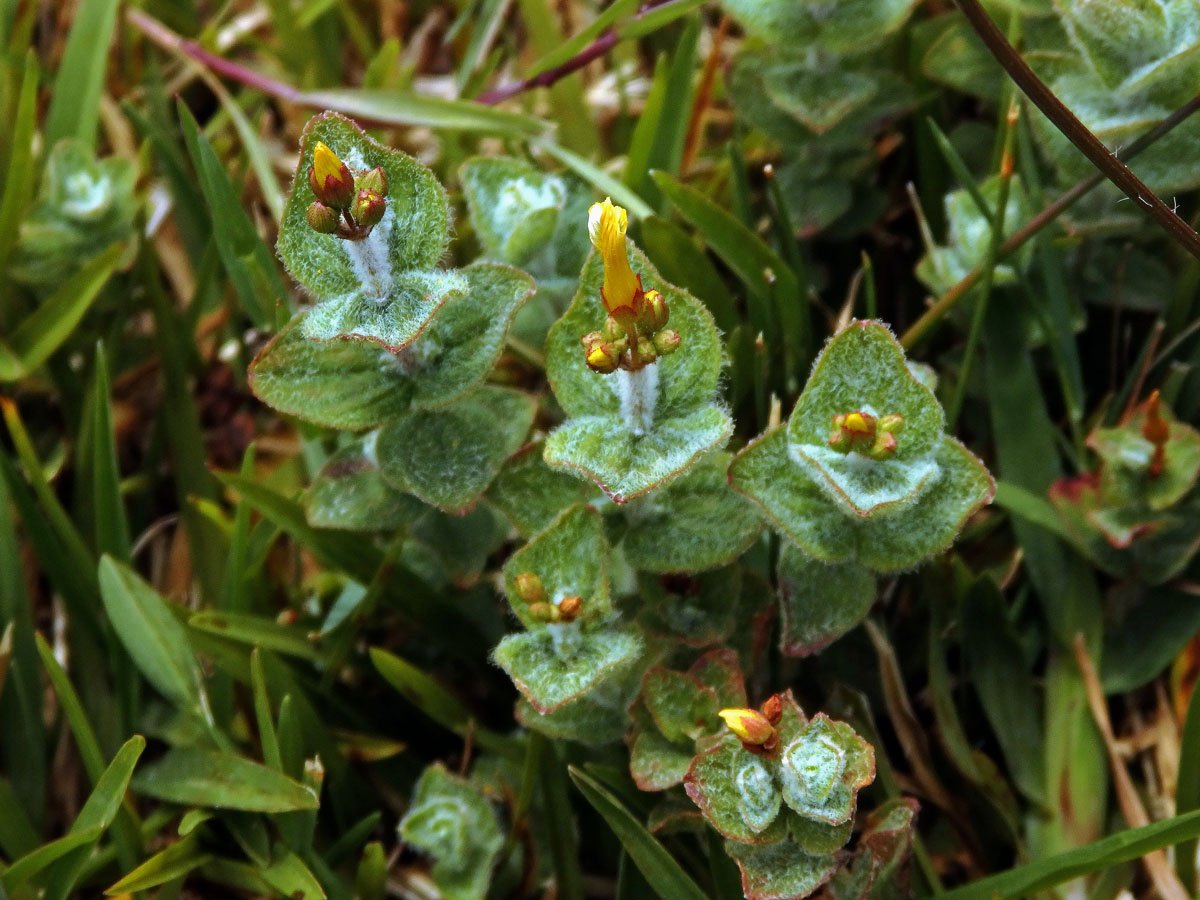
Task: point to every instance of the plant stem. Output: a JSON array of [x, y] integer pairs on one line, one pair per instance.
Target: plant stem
[[990, 263], [932, 316], [1074, 130], [597, 48]]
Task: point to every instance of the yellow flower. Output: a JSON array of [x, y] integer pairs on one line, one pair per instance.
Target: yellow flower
[[606, 226], [330, 178], [751, 726]]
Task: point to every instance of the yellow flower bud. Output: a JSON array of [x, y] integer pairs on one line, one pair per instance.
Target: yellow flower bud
[[751, 726], [330, 178], [606, 227]]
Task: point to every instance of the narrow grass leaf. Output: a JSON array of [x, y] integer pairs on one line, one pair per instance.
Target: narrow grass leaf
[[17, 834], [597, 178], [75, 101], [258, 631], [98, 811], [262, 713], [198, 777], [1027, 880], [288, 874], [31, 864], [53, 322], [617, 10], [153, 637], [439, 704], [660, 869], [85, 735], [247, 260], [175, 861], [18, 181], [112, 528], [397, 108]]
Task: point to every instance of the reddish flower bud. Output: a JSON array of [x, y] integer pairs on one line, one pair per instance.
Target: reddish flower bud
[[322, 218], [368, 208], [569, 608]]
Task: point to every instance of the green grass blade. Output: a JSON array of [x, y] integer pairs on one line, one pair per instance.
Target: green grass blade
[[21, 719], [396, 108], [660, 869], [761, 269], [439, 704], [176, 860], [617, 10], [31, 864], [262, 713], [18, 836], [247, 260], [54, 321], [75, 101], [1025, 881], [112, 528], [99, 811], [598, 178], [1029, 506], [154, 638], [18, 181]]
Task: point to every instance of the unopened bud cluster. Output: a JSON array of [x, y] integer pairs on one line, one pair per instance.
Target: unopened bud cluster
[[531, 590], [861, 432], [755, 728], [347, 205], [634, 334]]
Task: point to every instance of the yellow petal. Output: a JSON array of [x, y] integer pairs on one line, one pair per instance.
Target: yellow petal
[[326, 163], [748, 724], [606, 227]]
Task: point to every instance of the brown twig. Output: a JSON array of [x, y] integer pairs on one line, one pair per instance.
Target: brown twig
[[936, 312], [1166, 882], [704, 91], [607, 39], [1075, 131]]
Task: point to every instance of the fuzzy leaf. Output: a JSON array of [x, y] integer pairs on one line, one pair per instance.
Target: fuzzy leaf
[[822, 768], [335, 384], [880, 865], [449, 456], [465, 338], [780, 871], [696, 522], [594, 719], [765, 472], [571, 559], [700, 611], [682, 707], [819, 602], [737, 793], [513, 205], [626, 465], [349, 492], [558, 663], [413, 235], [452, 821], [531, 494], [630, 432], [847, 26], [656, 763], [391, 314]]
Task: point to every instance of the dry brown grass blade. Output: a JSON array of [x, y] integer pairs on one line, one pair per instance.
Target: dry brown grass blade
[[1166, 882]]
